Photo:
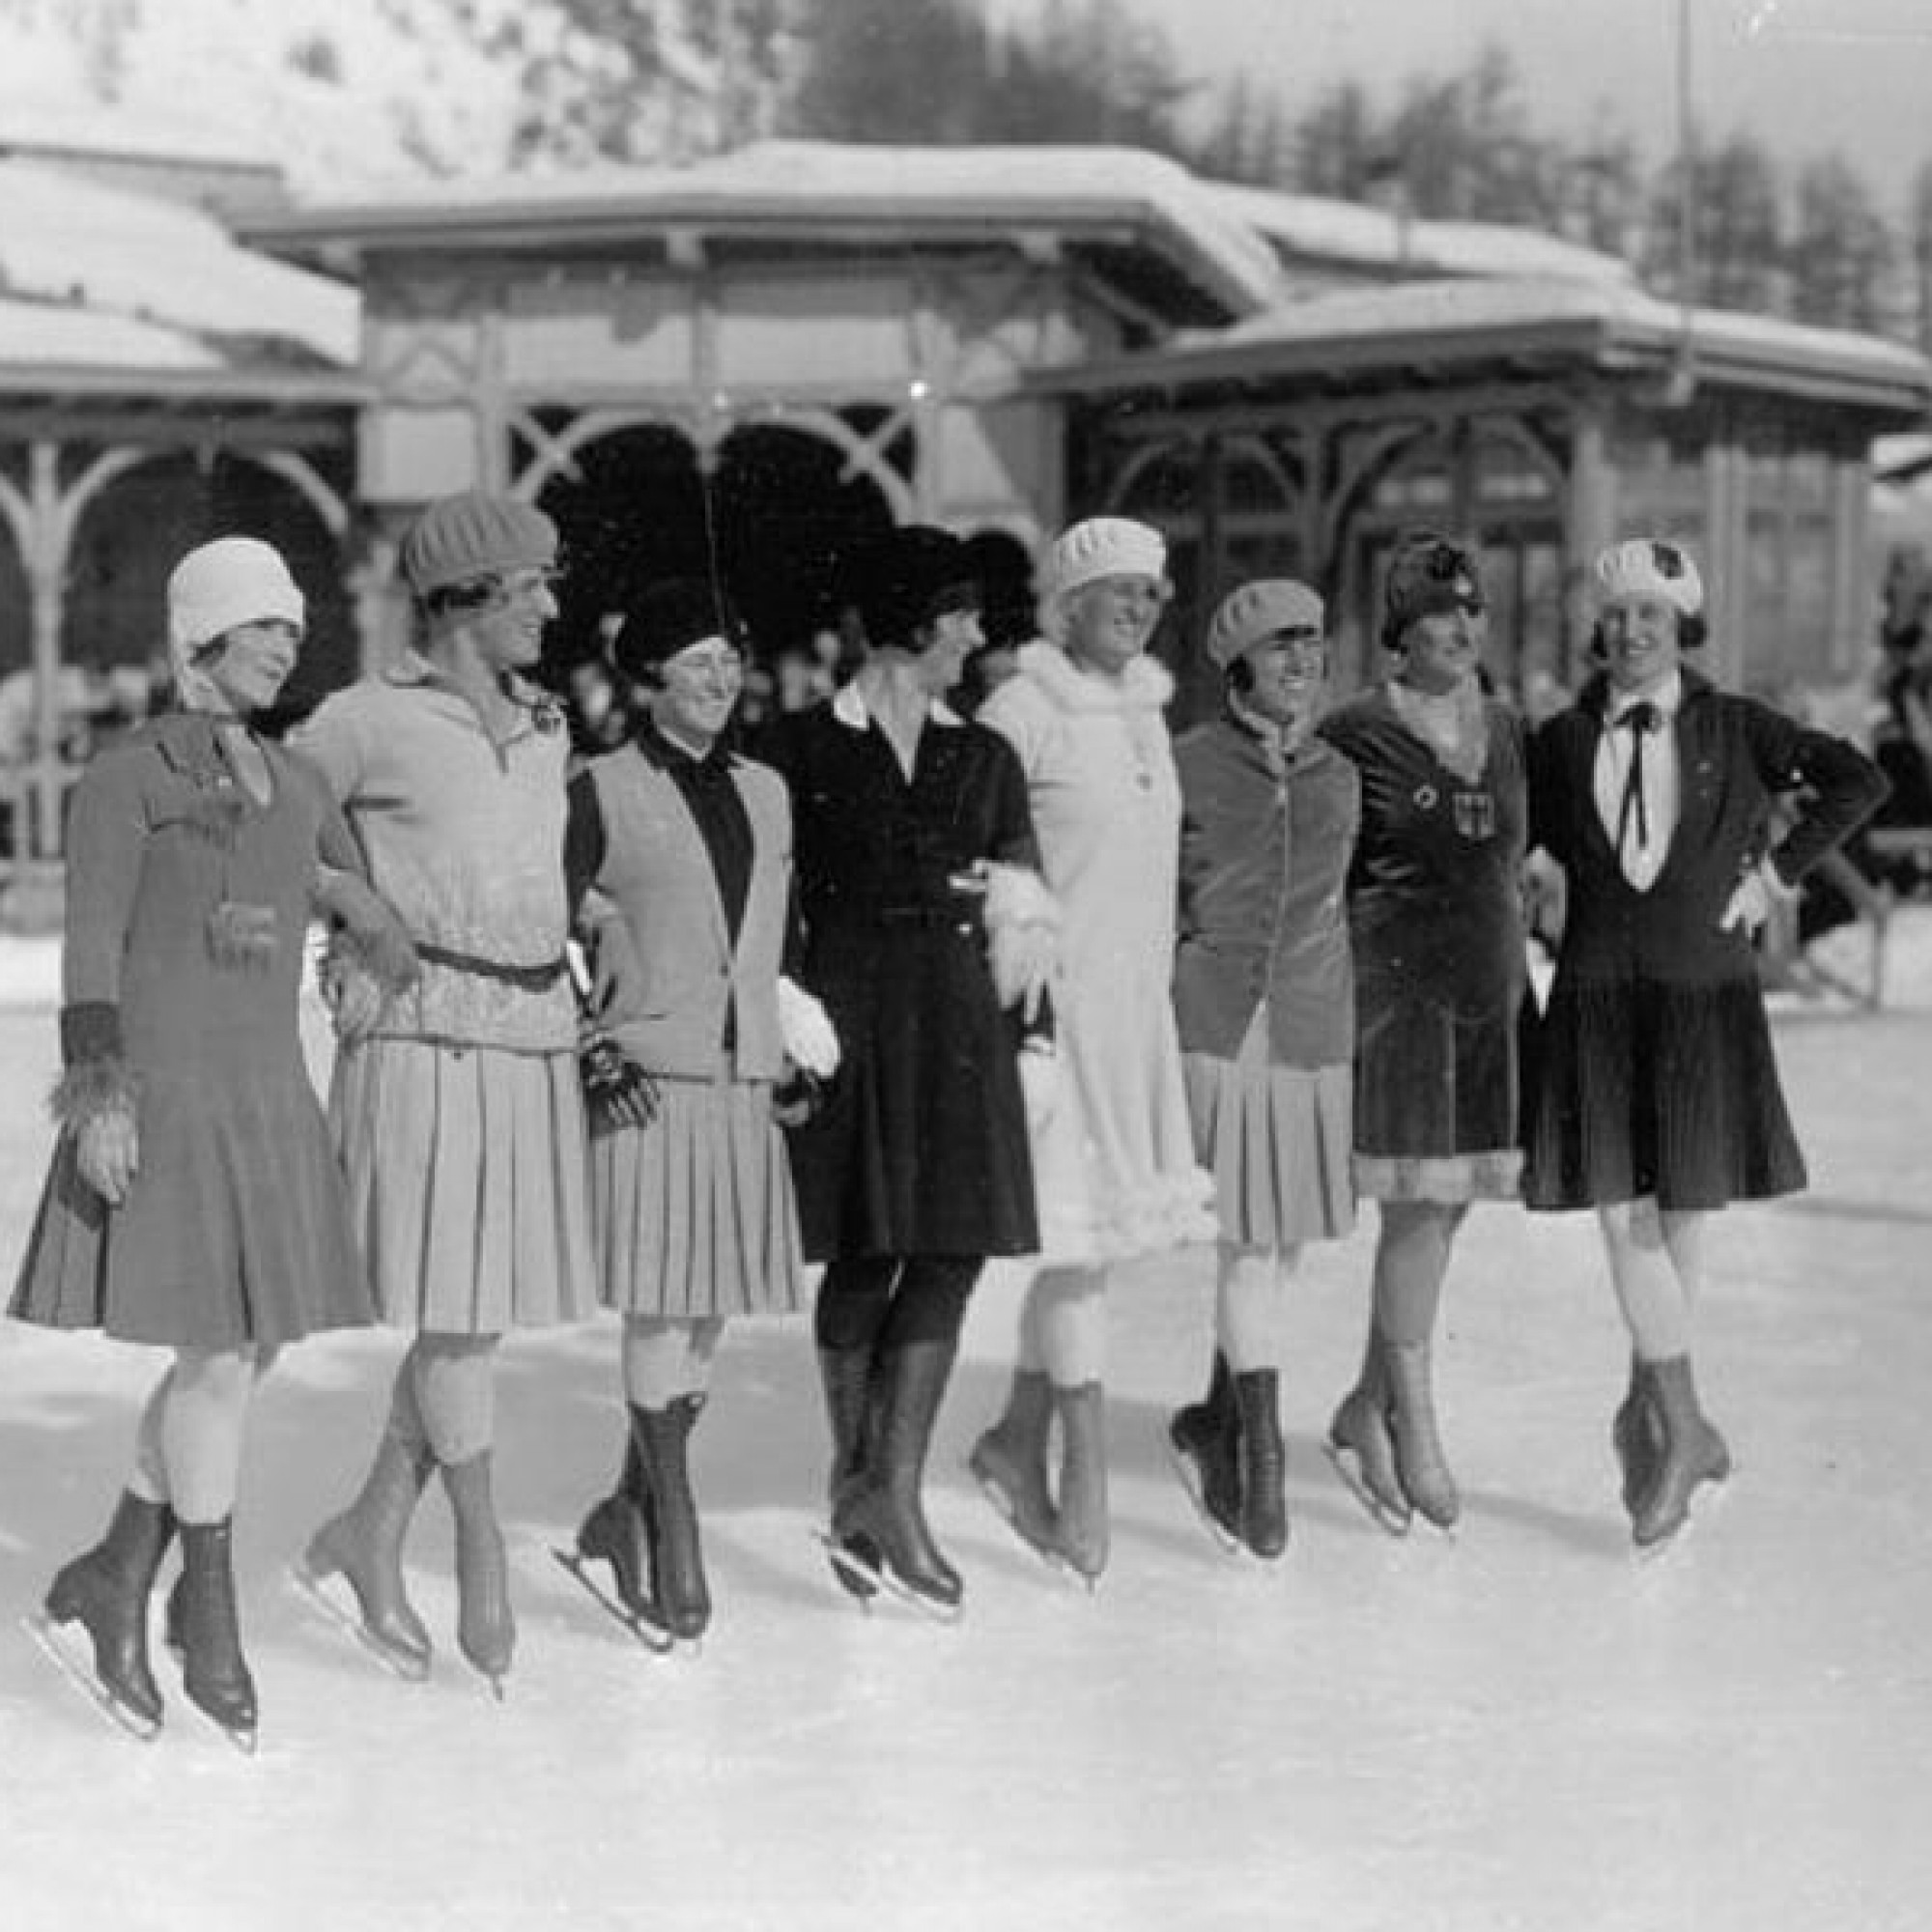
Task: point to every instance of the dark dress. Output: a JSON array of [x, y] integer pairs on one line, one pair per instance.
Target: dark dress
[[1650, 1069], [920, 1147], [188, 905], [1436, 932]]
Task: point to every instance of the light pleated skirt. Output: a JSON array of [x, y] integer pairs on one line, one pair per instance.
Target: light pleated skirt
[[694, 1213], [1277, 1141], [468, 1183]]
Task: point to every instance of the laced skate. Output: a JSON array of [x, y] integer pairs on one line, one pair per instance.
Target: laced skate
[[638, 1622], [313, 1587], [55, 1643]]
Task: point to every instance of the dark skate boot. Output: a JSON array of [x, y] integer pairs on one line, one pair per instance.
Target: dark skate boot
[[364, 1547], [1693, 1453], [486, 1626], [1636, 1433], [850, 1402], [1361, 1442], [1204, 1441], [105, 1591], [1264, 1514], [615, 1533], [205, 1627], [883, 1511], [678, 1589], [1010, 1463], [1420, 1463], [1084, 1529]]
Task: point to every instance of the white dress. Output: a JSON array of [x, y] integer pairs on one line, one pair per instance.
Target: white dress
[[1114, 1166]]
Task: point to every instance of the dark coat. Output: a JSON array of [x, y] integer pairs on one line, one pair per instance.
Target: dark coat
[[921, 1145], [1263, 855]]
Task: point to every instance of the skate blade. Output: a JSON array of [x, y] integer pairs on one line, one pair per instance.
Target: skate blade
[[314, 1590], [1346, 1464], [658, 1642], [1188, 1477], [856, 1572], [1054, 1560], [241, 1738], [50, 1638], [1706, 1500]]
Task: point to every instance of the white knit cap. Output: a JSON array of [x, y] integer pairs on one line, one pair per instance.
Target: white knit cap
[[229, 582], [1646, 567], [1101, 547]]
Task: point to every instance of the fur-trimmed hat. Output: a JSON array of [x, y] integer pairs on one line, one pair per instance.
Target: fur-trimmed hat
[[1649, 567], [905, 579], [212, 589], [1101, 547], [1256, 612], [1428, 573], [670, 617], [477, 535]]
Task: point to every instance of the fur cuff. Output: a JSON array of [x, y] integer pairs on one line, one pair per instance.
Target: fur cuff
[[92, 1087], [1022, 931]]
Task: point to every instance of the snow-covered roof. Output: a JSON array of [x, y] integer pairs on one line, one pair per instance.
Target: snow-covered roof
[[1448, 321], [800, 186], [1308, 228], [41, 335], [44, 123], [78, 246]]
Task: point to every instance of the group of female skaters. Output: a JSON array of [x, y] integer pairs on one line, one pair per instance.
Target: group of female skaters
[[919, 993]]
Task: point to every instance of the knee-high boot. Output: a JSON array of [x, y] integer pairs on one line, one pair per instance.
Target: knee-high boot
[[1009, 1461], [885, 1507], [1693, 1453], [1263, 1460], [1206, 1439], [1361, 1440], [204, 1624], [365, 1545], [1419, 1461], [678, 1586], [1084, 1531], [486, 1628], [105, 1590]]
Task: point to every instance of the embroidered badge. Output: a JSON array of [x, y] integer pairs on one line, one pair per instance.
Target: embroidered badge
[[1476, 815]]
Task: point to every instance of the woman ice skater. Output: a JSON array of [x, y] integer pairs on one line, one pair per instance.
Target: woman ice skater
[[194, 1203], [1114, 1159], [1263, 995], [1651, 1092]]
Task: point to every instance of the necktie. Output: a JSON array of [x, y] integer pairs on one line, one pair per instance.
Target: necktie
[[1640, 720]]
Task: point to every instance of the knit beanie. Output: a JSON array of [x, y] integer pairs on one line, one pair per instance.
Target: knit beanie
[[230, 582], [477, 535], [1646, 567], [1428, 573], [1101, 547], [908, 577], [1257, 611], [670, 617]]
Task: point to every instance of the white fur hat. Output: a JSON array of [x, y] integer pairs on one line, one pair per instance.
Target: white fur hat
[[1101, 547], [1649, 567], [229, 582]]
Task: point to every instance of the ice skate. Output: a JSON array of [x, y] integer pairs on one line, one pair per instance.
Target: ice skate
[[1636, 1433], [1693, 1453], [486, 1628], [1421, 1467], [1008, 1463], [846, 1374], [205, 1632], [1085, 1532], [363, 1548], [680, 1595], [613, 1534], [1203, 1448], [105, 1591], [1264, 1510], [1362, 1453]]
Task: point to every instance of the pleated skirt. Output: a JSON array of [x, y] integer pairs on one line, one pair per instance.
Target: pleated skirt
[[1635, 1089], [235, 1232], [1277, 1141], [468, 1183], [693, 1213]]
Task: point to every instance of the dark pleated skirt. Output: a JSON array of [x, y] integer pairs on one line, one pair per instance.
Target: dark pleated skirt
[[1637, 1089], [234, 1231]]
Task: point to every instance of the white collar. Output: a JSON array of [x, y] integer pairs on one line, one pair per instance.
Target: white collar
[[1145, 685], [1667, 697], [849, 708]]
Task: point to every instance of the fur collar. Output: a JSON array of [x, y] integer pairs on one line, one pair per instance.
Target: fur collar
[[1145, 685]]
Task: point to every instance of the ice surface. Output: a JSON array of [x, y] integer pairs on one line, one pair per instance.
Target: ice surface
[[1519, 1731]]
